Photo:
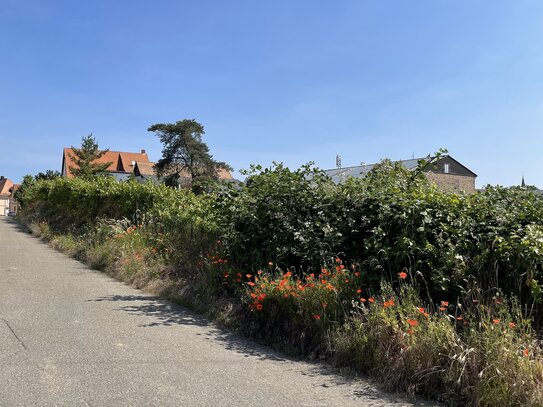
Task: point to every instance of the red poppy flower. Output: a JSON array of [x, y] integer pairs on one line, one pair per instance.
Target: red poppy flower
[[412, 322]]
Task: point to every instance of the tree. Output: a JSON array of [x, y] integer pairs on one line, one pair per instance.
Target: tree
[[47, 175], [185, 156], [84, 159]]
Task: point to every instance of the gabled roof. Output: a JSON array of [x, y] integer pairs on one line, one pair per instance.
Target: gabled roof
[[5, 186], [147, 169], [121, 161], [144, 168], [360, 171]]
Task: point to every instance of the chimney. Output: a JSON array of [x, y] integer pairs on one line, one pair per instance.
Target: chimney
[[142, 151]]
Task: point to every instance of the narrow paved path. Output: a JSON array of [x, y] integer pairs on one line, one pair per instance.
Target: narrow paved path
[[70, 336]]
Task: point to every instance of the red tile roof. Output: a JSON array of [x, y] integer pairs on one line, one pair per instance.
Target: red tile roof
[[121, 161], [5, 185]]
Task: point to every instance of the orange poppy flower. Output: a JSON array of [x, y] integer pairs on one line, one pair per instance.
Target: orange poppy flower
[[496, 321], [412, 322], [371, 299], [316, 317], [389, 303], [402, 275], [526, 352], [512, 325]]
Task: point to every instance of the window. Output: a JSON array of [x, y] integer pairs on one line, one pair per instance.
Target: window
[[446, 168]]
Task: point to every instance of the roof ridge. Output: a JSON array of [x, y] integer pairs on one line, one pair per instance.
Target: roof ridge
[[113, 151]]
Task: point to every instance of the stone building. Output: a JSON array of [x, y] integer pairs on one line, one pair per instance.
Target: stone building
[[447, 173]]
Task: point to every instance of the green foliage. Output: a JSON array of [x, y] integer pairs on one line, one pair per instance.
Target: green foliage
[[390, 221], [186, 160], [84, 159], [49, 174], [281, 216], [177, 220], [483, 357], [297, 311], [20, 194]]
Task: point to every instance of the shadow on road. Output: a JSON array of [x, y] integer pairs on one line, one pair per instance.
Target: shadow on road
[[158, 312], [162, 313]]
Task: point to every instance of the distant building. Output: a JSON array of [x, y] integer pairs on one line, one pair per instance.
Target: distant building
[[125, 164], [447, 173], [121, 167], [5, 195], [145, 171]]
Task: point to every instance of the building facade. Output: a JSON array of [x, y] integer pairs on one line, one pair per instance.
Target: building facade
[[447, 173]]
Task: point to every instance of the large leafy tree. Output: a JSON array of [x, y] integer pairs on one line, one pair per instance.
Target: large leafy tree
[[185, 157], [84, 159]]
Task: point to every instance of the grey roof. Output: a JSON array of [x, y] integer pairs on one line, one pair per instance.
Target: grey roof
[[360, 171]]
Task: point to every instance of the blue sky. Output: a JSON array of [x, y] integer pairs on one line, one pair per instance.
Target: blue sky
[[287, 81]]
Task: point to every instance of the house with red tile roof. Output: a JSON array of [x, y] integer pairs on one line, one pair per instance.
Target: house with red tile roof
[[5, 195], [121, 162]]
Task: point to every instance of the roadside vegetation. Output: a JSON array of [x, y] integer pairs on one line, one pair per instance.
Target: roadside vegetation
[[433, 293]]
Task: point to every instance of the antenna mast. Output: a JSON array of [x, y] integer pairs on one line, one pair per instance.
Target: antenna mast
[[338, 161]]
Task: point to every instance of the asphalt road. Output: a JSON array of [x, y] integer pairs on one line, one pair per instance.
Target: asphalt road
[[70, 336]]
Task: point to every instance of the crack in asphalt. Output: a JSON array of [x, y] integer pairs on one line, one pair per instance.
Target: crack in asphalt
[[14, 334]]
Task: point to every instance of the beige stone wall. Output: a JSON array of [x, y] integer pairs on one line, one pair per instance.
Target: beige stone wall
[[4, 205], [451, 182]]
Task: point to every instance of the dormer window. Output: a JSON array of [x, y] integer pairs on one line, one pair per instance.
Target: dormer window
[[446, 168]]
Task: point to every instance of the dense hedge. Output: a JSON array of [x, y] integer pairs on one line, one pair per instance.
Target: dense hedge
[[391, 221]]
